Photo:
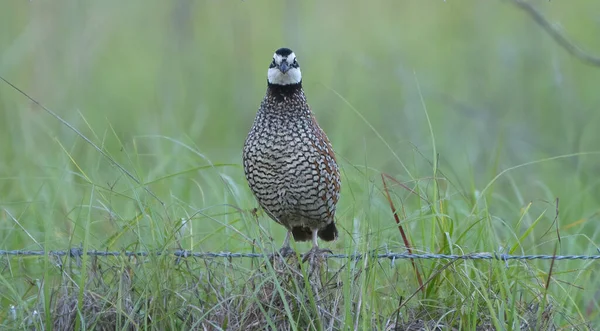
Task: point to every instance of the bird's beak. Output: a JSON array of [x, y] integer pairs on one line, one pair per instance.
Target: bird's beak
[[283, 67]]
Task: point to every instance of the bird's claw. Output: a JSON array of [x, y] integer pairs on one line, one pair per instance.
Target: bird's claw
[[317, 253], [286, 251]]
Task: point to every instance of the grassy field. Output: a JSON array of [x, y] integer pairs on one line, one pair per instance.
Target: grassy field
[[485, 128]]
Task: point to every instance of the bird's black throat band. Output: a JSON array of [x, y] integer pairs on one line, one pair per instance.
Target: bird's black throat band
[[284, 90]]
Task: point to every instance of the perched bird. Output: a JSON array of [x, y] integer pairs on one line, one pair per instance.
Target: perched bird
[[288, 160]]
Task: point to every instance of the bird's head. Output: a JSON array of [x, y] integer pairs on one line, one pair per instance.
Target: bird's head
[[284, 69]]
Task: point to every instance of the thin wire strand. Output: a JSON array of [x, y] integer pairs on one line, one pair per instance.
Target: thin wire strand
[[78, 252]]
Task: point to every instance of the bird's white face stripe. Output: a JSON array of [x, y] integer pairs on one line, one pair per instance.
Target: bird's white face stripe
[[278, 58], [292, 76], [275, 76], [289, 59]]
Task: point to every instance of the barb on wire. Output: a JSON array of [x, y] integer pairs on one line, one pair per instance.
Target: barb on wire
[[78, 252]]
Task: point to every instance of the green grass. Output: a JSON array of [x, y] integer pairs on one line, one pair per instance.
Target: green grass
[[479, 121]]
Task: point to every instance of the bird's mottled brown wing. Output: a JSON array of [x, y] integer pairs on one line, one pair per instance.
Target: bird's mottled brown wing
[[328, 171]]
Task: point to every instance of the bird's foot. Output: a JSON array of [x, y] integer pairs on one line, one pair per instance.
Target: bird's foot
[[316, 254], [316, 258], [286, 251], [283, 255]]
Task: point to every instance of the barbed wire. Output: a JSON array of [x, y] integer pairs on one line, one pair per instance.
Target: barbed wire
[[79, 252]]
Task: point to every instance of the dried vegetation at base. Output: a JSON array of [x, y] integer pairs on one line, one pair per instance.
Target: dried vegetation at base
[[222, 294]]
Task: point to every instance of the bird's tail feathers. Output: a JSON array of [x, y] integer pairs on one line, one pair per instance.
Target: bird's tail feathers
[[329, 232], [302, 233]]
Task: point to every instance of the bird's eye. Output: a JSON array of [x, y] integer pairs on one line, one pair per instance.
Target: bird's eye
[[295, 61]]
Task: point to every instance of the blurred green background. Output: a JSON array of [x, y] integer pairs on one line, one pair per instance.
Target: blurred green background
[[170, 89]]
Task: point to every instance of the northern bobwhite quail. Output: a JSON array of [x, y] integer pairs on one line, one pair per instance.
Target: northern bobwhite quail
[[288, 160]]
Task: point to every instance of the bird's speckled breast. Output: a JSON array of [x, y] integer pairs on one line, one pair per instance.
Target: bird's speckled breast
[[289, 163]]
